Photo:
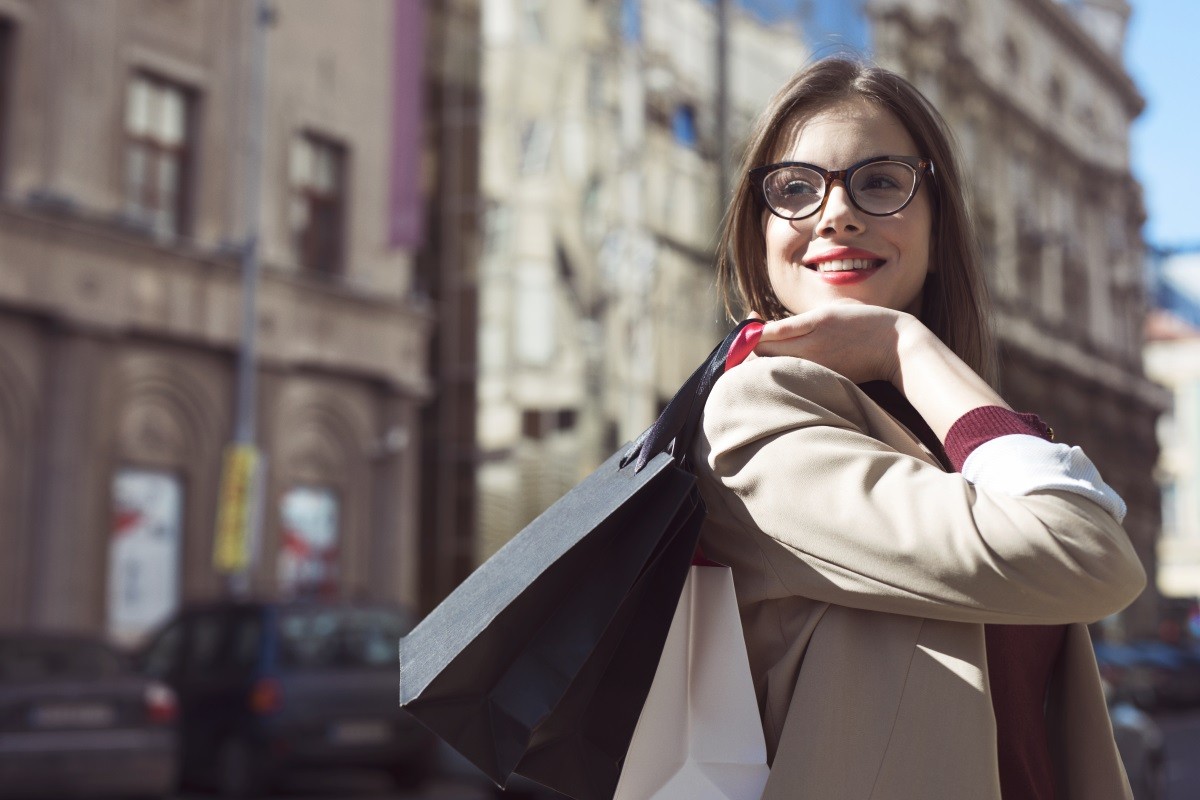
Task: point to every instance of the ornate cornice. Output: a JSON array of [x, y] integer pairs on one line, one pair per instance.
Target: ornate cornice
[[1059, 21], [1024, 335], [81, 271]]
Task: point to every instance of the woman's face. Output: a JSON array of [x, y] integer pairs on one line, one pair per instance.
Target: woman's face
[[806, 257]]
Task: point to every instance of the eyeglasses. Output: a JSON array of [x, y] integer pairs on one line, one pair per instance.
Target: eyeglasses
[[878, 186]]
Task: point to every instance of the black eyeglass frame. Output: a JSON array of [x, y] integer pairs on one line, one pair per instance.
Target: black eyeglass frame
[[758, 179]]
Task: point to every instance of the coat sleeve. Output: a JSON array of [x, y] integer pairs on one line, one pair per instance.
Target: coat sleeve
[[789, 466]]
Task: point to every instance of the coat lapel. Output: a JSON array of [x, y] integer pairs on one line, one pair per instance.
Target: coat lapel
[[849, 682]]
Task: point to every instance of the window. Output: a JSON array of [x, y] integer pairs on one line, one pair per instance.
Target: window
[[40, 659], [209, 640], [594, 223], [318, 171], [595, 82], [1029, 264], [1012, 57], [533, 21], [144, 551], [497, 230], [1170, 517], [222, 642], [320, 638], [6, 37], [536, 138], [631, 20], [1054, 93], [538, 424], [247, 640], [164, 655], [157, 153], [683, 124], [536, 322], [1076, 295], [308, 551]]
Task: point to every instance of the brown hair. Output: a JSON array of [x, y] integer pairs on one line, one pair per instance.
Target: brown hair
[[954, 300]]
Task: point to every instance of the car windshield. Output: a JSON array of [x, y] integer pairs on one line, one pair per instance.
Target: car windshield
[[319, 638], [50, 659]]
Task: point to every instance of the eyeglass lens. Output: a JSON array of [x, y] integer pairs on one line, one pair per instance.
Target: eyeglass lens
[[881, 188]]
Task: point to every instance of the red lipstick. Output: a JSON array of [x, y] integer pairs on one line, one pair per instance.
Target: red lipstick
[[847, 277], [840, 253]]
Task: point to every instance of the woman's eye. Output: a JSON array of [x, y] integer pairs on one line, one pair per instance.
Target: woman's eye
[[879, 182], [797, 189]]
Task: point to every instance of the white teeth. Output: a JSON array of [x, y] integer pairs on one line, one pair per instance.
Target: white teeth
[[847, 264]]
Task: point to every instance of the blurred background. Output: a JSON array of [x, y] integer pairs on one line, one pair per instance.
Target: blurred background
[[307, 307]]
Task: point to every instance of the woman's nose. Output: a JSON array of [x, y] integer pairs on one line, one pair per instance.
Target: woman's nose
[[837, 212]]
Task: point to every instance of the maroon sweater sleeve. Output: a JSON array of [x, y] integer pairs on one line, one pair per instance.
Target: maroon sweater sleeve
[[986, 423]]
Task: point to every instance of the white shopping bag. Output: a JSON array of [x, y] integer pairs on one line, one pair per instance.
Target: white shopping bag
[[699, 736]]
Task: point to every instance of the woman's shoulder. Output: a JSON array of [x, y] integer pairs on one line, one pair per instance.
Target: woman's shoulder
[[771, 395], [784, 391]]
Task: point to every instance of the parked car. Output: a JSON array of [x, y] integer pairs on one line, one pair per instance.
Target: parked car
[[76, 721], [1174, 673], [1151, 674], [268, 687]]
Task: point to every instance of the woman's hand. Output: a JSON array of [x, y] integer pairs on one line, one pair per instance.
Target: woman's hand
[[859, 341], [866, 343]]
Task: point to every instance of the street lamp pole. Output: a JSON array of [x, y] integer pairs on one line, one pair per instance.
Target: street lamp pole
[[245, 425]]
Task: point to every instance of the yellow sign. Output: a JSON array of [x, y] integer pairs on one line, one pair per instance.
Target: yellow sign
[[232, 544]]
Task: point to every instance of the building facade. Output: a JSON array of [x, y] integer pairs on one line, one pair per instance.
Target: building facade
[[600, 180], [447, 274], [123, 165], [1037, 94], [1173, 359]]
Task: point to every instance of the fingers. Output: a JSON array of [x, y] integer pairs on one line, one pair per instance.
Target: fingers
[[789, 328], [773, 349]]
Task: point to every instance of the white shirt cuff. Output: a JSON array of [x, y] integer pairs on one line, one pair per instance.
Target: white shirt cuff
[[1019, 464]]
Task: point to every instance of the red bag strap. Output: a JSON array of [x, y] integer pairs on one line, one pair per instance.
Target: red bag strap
[[700, 560]]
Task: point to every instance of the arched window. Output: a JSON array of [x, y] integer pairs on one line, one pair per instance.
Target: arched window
[[145, 550], [1012, 57], [308, 550], [1055, 93], [683, 124]]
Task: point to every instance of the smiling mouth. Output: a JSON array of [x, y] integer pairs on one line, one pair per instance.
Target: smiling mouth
[[845, 265]]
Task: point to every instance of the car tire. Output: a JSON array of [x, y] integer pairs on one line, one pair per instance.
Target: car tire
[[239, 772]]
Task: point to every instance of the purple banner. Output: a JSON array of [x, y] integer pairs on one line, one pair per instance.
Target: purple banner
[[408, 76]]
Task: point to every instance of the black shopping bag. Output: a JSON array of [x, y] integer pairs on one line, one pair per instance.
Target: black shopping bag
[[541, 660], [580, 747]]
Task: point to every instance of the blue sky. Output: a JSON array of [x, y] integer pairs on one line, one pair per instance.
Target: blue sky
[[1163, 55]]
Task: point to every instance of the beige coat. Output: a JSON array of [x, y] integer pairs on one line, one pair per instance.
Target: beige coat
[[865, 574]]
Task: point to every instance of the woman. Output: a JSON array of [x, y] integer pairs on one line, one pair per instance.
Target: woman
[[915, 562]]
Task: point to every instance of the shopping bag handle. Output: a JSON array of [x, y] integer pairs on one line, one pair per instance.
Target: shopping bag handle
[[675, 428]]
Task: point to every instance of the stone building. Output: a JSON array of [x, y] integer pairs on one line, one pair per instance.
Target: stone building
[[447, 275], [122, 214], [1172, 353], [1038, 96], [600, 178]]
